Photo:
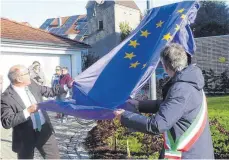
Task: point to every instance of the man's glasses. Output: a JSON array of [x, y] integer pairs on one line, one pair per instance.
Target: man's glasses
[[25, 74]]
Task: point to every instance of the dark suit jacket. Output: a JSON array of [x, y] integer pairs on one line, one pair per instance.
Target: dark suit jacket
[[182, 103], [12, 115]]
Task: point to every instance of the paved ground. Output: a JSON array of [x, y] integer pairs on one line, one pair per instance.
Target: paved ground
[[70, 136], [6, 151]]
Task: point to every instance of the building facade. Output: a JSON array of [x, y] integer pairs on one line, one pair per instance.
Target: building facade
[[99, 27], [22, 44], [103, 23]]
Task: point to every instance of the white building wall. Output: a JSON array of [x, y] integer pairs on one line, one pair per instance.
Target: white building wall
[[126, 14], [48, 57]]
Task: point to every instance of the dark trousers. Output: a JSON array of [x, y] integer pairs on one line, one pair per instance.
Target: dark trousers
[[44, 141]]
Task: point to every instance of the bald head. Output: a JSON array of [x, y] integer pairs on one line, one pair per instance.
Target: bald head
[[19, 74]]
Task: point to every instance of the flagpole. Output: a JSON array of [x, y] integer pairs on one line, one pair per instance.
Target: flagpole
[[153, 90]]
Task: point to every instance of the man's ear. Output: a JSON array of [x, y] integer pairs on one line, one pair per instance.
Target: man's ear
[[18, 79]]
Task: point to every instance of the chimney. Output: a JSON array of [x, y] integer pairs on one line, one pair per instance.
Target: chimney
[[59, 22]]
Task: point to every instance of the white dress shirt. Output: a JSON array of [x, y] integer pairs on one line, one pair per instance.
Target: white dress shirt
[[25, 99]]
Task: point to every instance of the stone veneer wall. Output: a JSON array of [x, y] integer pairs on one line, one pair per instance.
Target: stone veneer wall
[[210, 50]]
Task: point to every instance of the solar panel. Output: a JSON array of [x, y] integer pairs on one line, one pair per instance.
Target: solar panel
[[82, 32], [54, 30], [81, 25], [46, 24], [84, 19], [78, 38], [61, 31], [71, 20], [86, 26]]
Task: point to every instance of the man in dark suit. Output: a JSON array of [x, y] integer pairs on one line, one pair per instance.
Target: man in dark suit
[[19, 110]]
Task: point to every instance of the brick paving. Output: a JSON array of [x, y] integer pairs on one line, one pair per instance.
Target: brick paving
[[70, 136]]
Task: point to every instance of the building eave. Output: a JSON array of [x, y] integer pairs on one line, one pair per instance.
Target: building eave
[[44, 44]]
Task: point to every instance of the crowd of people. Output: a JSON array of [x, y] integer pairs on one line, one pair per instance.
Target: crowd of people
[[61, 77], [181, 116]]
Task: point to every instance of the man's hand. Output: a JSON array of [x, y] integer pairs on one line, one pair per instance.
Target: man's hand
[[33, 108], [70, 84], [118, 113]]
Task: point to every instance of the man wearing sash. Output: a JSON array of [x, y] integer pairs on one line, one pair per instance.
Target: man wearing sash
[[182, 114]]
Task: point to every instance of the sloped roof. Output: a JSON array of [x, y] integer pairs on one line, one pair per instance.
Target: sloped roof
[[55, 21], [17, 31], [72, 29], [68, 25]]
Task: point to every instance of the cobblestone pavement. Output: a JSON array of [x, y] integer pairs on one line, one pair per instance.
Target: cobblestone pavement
[[70, 136], [6, 140]]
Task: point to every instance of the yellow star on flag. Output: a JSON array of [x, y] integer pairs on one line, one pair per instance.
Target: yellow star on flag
[[134, 43], [144, 66], [129, 55], [167, 37], [180, 11], [134, 65], [177, 27], [183, 16], [145, 33], [159, 24]]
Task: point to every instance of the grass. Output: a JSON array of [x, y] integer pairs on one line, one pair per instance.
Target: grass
[[218, 107]]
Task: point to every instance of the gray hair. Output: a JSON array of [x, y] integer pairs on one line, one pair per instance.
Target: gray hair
[[15, 72], [174, 57]]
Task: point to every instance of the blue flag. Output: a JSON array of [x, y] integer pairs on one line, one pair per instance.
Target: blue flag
[[108, 83]]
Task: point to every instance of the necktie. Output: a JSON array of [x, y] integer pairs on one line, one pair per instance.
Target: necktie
[[36, 114]]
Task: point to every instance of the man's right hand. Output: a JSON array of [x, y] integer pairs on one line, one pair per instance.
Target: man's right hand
[[33, 108]]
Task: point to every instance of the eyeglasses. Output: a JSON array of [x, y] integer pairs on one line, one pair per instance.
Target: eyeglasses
[[25, 74], [57, 69]]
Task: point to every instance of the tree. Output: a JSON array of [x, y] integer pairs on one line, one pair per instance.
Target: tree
[[224, 81], [88, 60], [212, 19], [125, 30]]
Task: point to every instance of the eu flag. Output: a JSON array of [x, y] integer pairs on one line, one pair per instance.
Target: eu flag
[[110, 81]]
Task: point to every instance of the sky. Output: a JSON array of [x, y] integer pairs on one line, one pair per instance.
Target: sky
[[35, 12]]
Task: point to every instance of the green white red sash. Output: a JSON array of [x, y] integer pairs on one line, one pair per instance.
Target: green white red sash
[[174, 149]]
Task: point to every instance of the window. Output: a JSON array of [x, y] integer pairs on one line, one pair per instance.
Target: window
[[100, 27]]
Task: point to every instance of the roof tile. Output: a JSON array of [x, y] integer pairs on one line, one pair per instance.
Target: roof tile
[[18, 31]]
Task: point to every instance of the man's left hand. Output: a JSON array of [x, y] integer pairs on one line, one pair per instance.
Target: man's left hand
[[118, 113]]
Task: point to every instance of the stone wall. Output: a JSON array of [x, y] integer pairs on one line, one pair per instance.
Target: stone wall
[[103, 41], [212, 53]]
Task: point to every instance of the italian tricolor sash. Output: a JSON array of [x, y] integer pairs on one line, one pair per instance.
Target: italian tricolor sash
[[174, 149]]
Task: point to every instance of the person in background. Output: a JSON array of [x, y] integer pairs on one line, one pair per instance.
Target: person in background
[[32, 127], [36, 73], [1, 81], [65, 82], [65, 78], [56, 81], [56, 77]]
